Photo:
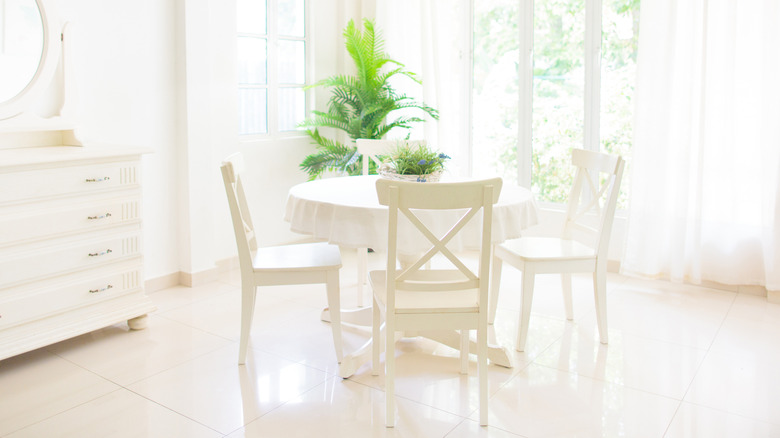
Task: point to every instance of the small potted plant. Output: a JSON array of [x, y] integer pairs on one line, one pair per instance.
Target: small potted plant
[[413, 161]]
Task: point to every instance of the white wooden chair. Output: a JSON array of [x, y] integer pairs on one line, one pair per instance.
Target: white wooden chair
[[373, 150], [412, 298], [582, 246], [279, 265]]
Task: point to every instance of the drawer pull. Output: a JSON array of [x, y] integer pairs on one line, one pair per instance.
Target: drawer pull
[[98, 254], [99, 217], [105, 178], [94, 291]]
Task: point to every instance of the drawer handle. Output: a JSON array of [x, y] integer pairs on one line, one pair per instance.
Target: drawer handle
[[94, 291], [99, 217], [105, 178], [98, 254]]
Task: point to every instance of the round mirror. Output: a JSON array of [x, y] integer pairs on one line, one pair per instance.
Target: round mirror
[[21, 45]]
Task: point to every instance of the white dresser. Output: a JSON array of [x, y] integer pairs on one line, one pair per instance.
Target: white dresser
[[70, 243]]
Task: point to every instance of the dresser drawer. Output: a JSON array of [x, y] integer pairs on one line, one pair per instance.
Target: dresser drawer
[[46, 221], [46, 183], [17, 307], [34, 262]]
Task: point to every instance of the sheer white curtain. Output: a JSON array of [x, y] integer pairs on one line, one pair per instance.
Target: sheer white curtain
[[431, 38], [705, 198]]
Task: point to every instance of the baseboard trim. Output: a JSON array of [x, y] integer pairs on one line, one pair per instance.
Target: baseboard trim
[[188, 279], [162, 282], [773, 296]]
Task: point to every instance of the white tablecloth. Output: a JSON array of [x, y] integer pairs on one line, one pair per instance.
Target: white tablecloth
[[345, 211]]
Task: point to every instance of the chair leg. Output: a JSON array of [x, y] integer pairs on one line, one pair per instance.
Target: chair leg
[[482, 371], [464, 351], [389, 371], [362, 270], [600, 293], [495, 284], [375, 340], [527, 296], [334, 304], [248, 293], [566, 288]]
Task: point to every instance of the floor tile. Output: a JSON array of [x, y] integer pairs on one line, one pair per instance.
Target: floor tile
[[752, 325], [341, 408], [125, 356], [429, 374], [548, 295], [221, 315], [38, 385], [180, 296], [543, 402], [698, 421], [657, 367], [472, 429], [306, 339], [543, 331], [215, 391], [119, 414], [681, 314], [741, 383]]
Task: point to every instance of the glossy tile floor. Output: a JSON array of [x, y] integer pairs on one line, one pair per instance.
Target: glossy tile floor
[[682, 361]]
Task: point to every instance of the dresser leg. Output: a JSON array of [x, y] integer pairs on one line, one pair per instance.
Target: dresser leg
[[138, 323]]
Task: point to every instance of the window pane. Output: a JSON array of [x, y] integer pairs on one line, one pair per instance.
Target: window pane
[[292, 62], [618, 76], [495, 91], [252, 57], [558, 95], [292, 108], [290, 18], [250, 16], [252, 111]]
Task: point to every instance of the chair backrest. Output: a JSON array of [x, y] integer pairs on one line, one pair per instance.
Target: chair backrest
[[243, 227], [374, 149], [593, 198], [409, 198]]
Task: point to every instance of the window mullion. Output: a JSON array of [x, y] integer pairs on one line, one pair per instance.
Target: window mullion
[[591, 136], [525, 92], [273, 69]]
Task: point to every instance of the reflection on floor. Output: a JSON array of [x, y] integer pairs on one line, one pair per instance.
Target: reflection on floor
[[682, 361]]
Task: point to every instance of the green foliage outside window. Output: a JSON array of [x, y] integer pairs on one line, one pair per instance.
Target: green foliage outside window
[[558, 101]]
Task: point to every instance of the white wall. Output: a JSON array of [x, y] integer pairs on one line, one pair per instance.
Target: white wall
[[161, 74]]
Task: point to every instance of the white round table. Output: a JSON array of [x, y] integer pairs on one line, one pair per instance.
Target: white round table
[[345, 211]]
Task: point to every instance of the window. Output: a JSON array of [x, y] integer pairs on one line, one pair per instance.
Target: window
[[537, 94], [272, 65]]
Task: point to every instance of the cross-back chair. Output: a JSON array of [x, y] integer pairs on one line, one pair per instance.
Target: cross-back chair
[[311, 263], [412, 298], [582, 246]]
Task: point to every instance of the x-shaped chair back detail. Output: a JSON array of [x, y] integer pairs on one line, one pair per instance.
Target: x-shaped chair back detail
[[374, 150], [593, 198]]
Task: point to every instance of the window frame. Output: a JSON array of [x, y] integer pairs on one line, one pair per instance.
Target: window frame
[[592, 92], [272, 85]]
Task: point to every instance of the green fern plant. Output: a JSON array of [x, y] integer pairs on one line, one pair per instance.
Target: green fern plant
[[361, 105]]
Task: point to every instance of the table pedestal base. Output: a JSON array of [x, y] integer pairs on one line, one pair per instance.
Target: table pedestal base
[[362, 317]]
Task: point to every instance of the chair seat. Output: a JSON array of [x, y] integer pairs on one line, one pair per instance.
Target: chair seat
[[461, 301], [318, 256], [546, 248]]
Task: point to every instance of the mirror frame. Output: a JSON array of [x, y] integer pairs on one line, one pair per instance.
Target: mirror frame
[[50, 57]]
